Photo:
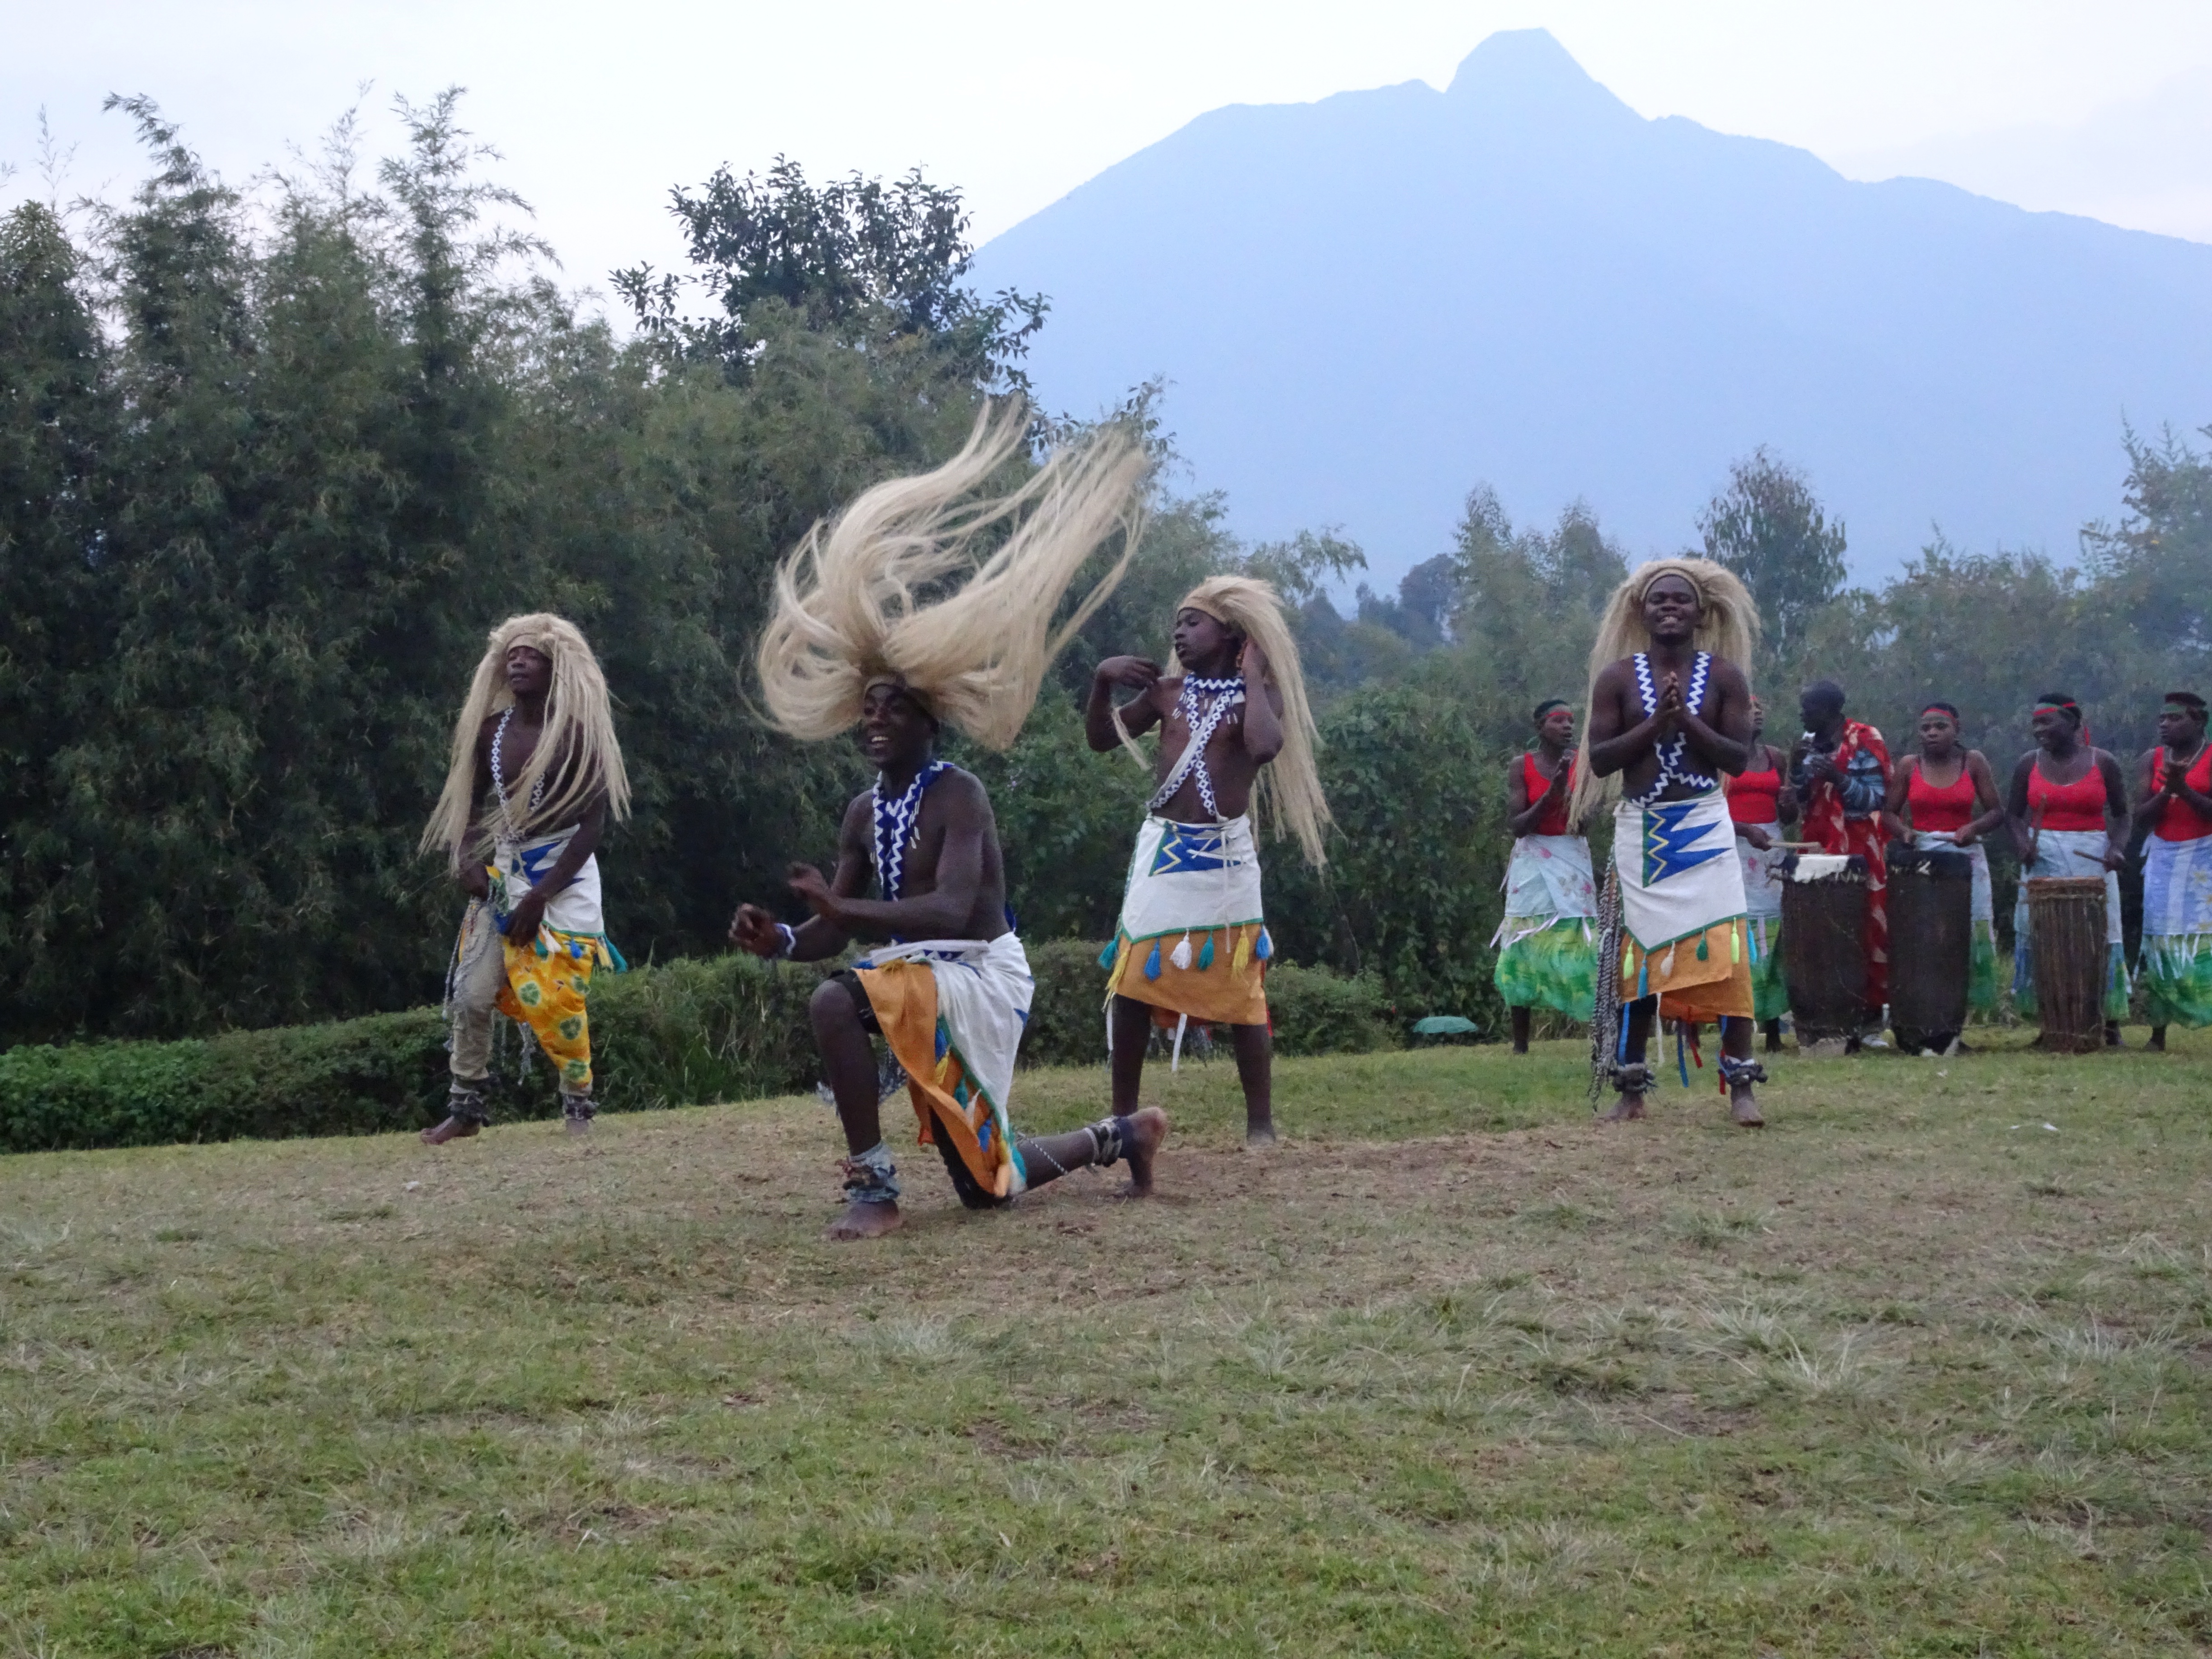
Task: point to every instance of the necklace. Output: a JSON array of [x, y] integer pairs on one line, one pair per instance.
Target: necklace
[[499, 775]]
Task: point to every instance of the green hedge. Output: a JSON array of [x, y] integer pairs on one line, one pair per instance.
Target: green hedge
[[725, 1027]]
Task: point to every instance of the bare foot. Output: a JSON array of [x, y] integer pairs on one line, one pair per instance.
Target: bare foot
[[580, 1126], [865, 1221], [1142, 1132], [453, 1128], [1262, 1134], [2157, 1043], [1744, 1110], [1631, 1106]]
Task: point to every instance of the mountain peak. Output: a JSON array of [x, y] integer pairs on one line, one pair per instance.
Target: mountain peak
[[1523, 70]]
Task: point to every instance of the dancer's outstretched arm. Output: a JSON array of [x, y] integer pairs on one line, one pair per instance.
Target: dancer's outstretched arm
[[756, 930]]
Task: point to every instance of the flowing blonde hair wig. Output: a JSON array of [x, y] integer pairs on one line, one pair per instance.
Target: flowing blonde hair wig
[[1289, 797], [854, 602], [579, 735], [1728, 627]]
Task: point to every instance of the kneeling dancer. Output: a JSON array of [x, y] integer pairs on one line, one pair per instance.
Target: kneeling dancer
[[945, 982], [535, 773], [1191, 942], [1669, 714]]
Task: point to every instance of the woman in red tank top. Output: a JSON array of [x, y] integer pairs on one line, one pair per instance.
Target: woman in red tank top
[[1546, 954], [1946, 797], [1944, 790], [2174, 789], [1760, 801], [2067, 807]]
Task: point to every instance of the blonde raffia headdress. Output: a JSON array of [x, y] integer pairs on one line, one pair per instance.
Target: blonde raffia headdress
[[1289, 797], [855, 603], [580, 729], [1728, 627]]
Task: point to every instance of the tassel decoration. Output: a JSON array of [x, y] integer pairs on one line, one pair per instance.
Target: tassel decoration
[[1206, 954], [1106, 957], [1266, 948], [1152, 961], [1180, 955]]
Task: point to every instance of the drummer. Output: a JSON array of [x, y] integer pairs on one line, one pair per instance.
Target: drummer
[[1760, 801], [2174, 790], [1545, 943], [1946, 797], [2067, 808], [1840, 768]]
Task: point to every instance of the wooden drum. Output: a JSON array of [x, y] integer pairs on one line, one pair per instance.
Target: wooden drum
[[2066, 931], [1824, 920], [1931, 918]]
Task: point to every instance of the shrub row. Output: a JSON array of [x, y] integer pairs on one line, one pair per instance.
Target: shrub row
[[727, 1028]]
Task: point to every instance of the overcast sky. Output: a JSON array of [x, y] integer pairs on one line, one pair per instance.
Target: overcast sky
[[2103, 109]]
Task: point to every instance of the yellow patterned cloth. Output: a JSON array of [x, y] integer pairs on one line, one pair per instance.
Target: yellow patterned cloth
[[547, 980]]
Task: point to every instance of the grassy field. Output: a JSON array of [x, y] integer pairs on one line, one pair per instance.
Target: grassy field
[[1452, 1371]]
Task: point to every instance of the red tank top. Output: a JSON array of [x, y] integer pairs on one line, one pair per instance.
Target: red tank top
[[1948, 808], [1554, 823], [2077, 805], [2178, 820], [1750, 795]]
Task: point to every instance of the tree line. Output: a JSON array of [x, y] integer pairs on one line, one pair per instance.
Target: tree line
[[270, 466]]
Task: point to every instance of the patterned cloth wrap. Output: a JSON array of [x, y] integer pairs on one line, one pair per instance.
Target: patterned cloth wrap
[[953, 1011], [548, 977], [1762, 907], [1982, 950], [1847, 820], [1191, 941], [1544, 943], [2177, 935], [2069, 852], [1682, 909]]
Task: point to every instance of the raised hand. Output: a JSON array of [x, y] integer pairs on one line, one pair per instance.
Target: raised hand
[[1132, 674], [806, 881], [1252, 662], [753, 929], [1758, 838], [1558, 785], [1670, 702]]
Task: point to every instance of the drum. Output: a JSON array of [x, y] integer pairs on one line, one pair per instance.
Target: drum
[[2066, 930], [1824, 918], [1931, 943]]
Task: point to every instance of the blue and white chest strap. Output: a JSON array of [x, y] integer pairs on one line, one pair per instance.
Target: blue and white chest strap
[[1673, 756], [1203, 704], [898, 827]]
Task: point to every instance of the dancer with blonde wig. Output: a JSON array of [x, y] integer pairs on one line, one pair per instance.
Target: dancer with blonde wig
[[865, 634], [1670, 716], [536, 772], [1192, 944]]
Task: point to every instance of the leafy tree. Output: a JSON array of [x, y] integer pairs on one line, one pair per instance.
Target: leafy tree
[[856, 259], [1767, 527]]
